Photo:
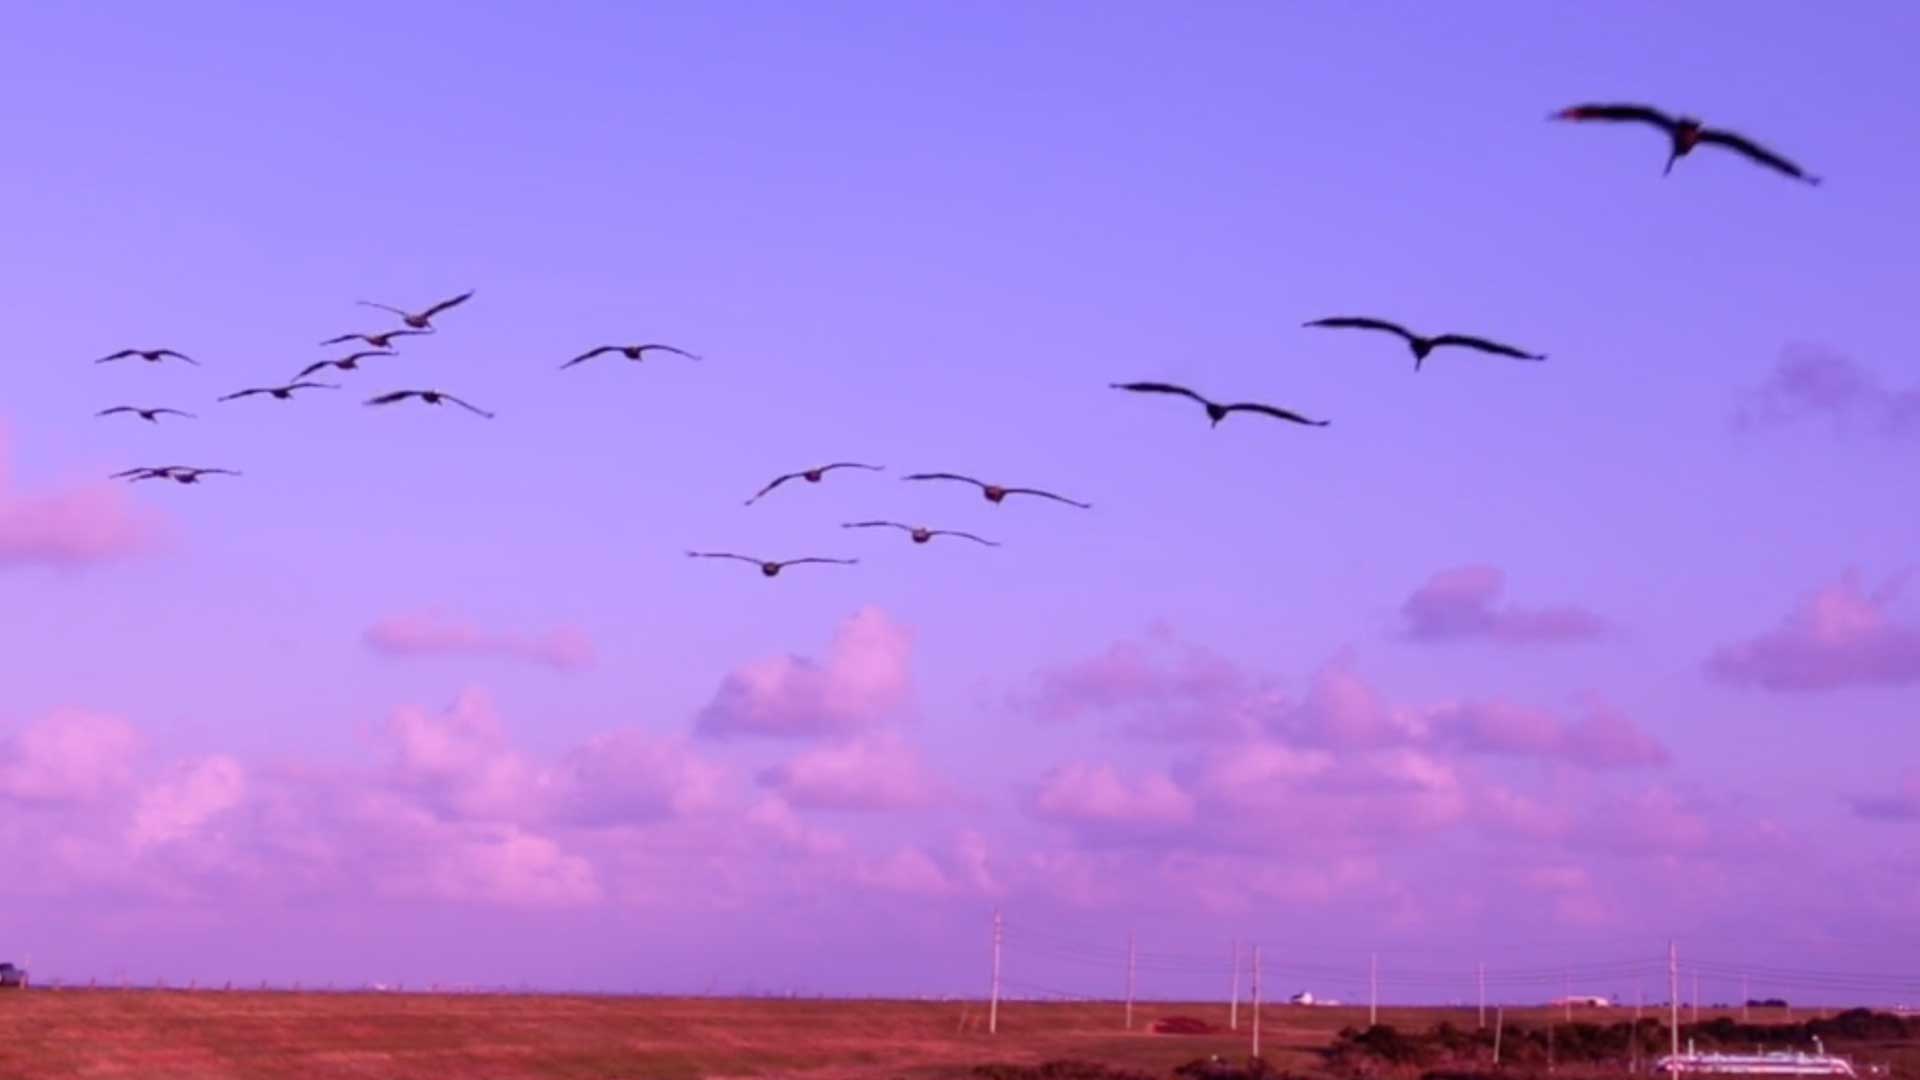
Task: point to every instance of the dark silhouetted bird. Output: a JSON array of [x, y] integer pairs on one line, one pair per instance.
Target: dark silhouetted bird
[[994, 492], [431, 397], [1217, 412], [345, 363], [284, 393], [631, 352], [151, 356], [150, 415], [378, 341], [185, 474], [811, 476], [920, 533], [770, 569], [1684, 133], [419, 320], [1421, 346]]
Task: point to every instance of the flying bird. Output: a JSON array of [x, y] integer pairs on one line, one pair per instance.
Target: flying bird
[[811, 476], [994, 492], [151, 356], [431, 397], [1215, 411], [349, 363], [631, 352], [920, 533], [378, 341], [185, 474], [149, 415], [770, 569], [1685, 132], [284, 393], [1421, 346], [419, 320]]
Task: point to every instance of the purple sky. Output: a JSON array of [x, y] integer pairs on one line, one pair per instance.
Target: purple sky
[[1535, 664]]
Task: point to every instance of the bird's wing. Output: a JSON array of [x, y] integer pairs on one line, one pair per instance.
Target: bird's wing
[[1159, 388], [1362, 322], [116, 409], [344, 337], [968, 535], [176, 355], [1758, 153], [1269, 410], [204, 472], [363, 354], [815, 558], [382, 307], [445, 304], [943, 476], [311, 385], [132, 472], [1486, 346], [1048, 495], [875, 524], [1645, 114], [852, 465], [669, 348], [243, 393], [469, 406], [311, 368], [175, 412], [117, 356], [588, 355], [774, 483], [721, 555], [389, 398]]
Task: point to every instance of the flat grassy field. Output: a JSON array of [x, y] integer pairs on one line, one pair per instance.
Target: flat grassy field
[[202, 1035]]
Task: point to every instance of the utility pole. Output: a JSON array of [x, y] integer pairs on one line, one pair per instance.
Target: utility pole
[[1696, 997], [1745, 997], [1256, 1001], [1373, 989], [1483, 995], [1673, 995], [1129, 980], [1233, 1006], [993, 1002], [1499, 1022], [1567, 997], [1639, 999]]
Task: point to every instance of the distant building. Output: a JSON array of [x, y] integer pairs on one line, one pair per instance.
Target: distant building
[[1305, 997], [1596, 1001]]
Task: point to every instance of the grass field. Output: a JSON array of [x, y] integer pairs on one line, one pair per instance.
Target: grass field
[[176, 1035]]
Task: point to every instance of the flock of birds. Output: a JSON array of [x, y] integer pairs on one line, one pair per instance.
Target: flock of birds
[[1684, 133]]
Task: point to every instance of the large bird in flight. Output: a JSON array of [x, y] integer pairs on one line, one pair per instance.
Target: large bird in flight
[[1215, 411], [378, 341], [770, 569], [1421, 346], [1685, 133], [151, 416], [920, 533], [631, 352], [431, 397], [284, 393], [811, 476], [347, 363], [420, 320], [994, 493], [185, 474], [151, 356]]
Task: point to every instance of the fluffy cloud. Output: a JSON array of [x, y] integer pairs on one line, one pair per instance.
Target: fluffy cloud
[[1839, 636], [1602, 739], [1167, 686], [1460, 604], [68, 756], [878, 772], [1810, 383], [174, 810], [71, 527], [1087, 794], [863, 680], [1902, 805], [429, 634]]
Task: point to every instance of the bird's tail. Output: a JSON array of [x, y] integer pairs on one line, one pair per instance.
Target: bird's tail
[[1671, 158]]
